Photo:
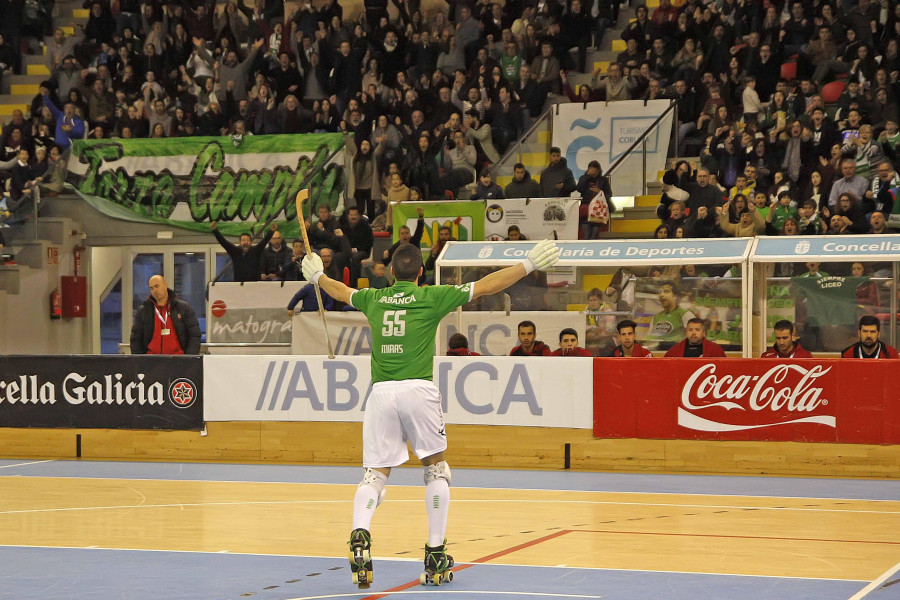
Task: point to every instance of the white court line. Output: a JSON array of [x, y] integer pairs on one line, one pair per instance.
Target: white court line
[[419, 560], [875, 584], [34, 462], [461, 487], [462, 501]]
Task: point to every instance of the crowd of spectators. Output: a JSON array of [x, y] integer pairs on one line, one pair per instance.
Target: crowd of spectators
[[428, 100]]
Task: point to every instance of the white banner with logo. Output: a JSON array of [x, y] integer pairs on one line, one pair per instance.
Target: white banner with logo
[[250, 312], [536, 218], [538, 392], [605, 131], [489, 333]]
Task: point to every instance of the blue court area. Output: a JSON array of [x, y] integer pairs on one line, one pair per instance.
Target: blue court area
[[73, 573]]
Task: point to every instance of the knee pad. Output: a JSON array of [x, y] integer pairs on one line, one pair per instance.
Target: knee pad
[[440, 470], [375, 479]]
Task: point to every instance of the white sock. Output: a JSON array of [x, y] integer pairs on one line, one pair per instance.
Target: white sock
[[437, 503], [365, 502]]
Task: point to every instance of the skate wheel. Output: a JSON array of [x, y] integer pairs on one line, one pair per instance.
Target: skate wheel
[[355, 577], [438, 578], [423, 579], [449, 575]]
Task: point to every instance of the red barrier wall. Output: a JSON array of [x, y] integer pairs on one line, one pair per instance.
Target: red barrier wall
[[847, 401]]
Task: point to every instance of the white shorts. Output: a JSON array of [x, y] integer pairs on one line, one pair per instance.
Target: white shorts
[[398, 411]]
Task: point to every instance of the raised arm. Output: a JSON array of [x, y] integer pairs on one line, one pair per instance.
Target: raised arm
[[544, 255], [313, 270]]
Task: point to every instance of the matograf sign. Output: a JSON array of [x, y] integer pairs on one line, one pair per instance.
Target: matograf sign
[[185, 182]]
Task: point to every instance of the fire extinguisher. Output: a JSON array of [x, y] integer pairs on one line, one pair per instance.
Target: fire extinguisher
[[55, 304]]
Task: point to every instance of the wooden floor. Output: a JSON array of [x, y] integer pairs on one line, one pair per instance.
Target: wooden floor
[[695, 533]]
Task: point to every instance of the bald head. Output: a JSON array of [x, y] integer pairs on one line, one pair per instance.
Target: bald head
[[159, 289]]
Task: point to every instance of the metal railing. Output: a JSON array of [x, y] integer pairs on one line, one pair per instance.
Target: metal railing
[[642, 141], [514, 153]]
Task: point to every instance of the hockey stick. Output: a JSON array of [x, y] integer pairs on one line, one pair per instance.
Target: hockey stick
[[302, 196]]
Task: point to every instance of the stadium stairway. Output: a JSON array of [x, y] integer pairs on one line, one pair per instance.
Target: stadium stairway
[[20, 90]]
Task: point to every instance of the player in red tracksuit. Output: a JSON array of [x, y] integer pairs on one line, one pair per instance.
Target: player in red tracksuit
[[785, 346], [568, 344], [629, 347]]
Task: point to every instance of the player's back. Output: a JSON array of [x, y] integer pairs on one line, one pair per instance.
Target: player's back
[[404, 319]]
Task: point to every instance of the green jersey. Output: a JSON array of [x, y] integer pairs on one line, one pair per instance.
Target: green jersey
[[669, 327], [404, 319]]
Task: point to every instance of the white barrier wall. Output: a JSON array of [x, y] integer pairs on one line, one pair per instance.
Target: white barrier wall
[[489, 333], [537, 392]]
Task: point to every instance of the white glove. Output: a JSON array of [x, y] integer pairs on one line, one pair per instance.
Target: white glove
[[312, 267], [544, 255]]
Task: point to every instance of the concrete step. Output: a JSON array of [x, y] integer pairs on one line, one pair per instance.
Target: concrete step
[[640, 212], [634, 225], [25, 80], [24, 89], [38, 69], [17, 98], [618, 235], [650, 200], [6, 110]]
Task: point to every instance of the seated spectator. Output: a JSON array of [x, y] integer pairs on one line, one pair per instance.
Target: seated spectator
[[869, 346], [557, 179], [696, 344], [813, 271], [878, 223], [514, 234], [307, 295], [528, 345], [568, 344], [486, 188], [847, 217], [677, 218], [785, 346], [377, 275], [522, 185], [445, 234], [459, 346]]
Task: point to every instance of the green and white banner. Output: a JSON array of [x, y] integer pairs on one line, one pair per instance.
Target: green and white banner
[[186, 182]]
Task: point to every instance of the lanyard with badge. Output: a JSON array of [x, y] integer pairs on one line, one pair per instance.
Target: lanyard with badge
[[859, 352], [163, 320]]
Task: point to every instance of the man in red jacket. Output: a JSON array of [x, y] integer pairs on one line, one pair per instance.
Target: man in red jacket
[[568, 344], [696, 344], [528, 346], [869, 346], [628, 346], [785, 346]]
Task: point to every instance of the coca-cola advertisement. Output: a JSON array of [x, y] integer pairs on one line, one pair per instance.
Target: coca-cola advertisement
[[841, 400], [111, 392]]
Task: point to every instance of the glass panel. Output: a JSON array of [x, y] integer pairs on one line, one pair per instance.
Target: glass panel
[[143, 267], [659, 299], [826, 301], [190, 283], [111, 320], [224, 270]]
